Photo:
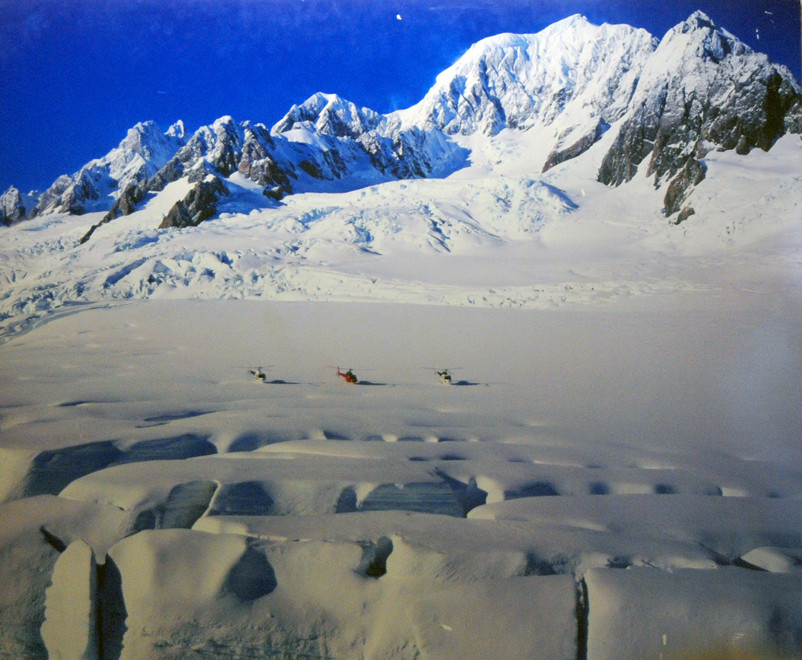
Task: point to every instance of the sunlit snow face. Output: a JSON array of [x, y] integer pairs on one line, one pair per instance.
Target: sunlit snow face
[[187, 61]]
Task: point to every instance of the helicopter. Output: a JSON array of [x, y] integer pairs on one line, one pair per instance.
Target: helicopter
[[444, 374], [445, 377], [258, 373], [348, 376]]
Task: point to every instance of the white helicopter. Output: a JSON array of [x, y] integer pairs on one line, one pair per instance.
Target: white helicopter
[[445, 377], [443, 374], [258, 374]]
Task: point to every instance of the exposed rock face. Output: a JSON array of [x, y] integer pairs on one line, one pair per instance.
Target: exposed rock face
[[227, 150], [199, 205], [127, 201], [258, 164], [691, 174], [125, 205], [575, 149], [702, 90], [11, 207], [684, 214], [201, 144]]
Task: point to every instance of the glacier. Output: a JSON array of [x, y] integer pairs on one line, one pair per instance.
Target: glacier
[[596, 231]]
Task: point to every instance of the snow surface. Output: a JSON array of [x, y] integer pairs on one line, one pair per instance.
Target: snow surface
[[616, 470]]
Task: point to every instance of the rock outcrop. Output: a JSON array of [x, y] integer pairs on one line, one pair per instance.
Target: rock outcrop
[[702, 90], [11, 207], [199, 205]]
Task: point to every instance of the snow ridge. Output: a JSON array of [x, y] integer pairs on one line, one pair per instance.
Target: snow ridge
[[521, 81], [572, 81], [143, 151]]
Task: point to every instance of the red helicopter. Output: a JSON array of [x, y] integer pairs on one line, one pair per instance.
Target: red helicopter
[[348, 376]]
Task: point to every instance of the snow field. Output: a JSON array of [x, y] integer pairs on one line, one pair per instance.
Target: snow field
[[403, 517], [702, 614], [489, 236]]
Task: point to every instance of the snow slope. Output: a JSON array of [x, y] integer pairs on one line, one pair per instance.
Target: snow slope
[[434, 241], [562, 77]]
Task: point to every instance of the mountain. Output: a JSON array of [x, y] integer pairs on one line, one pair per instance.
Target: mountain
[[702, 89], [12, 208], [663, 103], [565, 74], [324, 144], [141, 154], [328, 114]]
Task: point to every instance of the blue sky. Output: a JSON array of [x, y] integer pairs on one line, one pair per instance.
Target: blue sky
[[76, 74]]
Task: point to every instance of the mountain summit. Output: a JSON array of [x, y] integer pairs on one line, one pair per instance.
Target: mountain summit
[[662, 104], [143, 151], [329, 114], [567, 72], [702, 89]]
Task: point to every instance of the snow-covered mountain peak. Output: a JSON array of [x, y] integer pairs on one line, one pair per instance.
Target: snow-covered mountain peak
[[569, 22], [569, 27], [328, 114], [521, 81], [177, 130], [224, 123], [98, 184], [699, 37], [703, 89], [220, 129], [696, 20], [139, 134], [700, 21], [145, 139]]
